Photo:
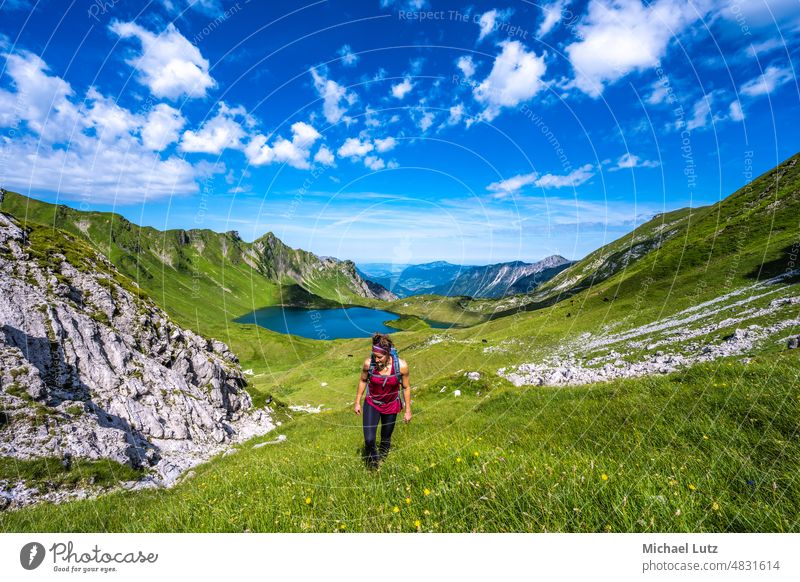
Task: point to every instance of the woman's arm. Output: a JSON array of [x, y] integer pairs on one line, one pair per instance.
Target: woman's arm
[[406, 390], [362, 386]]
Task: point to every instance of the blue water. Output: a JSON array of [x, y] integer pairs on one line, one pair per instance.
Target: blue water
[[325, 324]]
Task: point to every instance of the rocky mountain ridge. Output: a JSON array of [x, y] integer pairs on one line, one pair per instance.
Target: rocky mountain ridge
[[502, 279], [91, 369]]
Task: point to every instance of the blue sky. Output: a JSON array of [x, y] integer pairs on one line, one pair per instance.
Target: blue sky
[[397, 131]]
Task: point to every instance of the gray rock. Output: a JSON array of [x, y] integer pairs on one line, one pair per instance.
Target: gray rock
[[115, 376]]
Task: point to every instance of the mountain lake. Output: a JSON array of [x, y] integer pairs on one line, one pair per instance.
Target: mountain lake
[[326, 324]]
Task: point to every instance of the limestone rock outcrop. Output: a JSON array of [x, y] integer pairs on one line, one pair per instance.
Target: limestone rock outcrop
[[91, 369]]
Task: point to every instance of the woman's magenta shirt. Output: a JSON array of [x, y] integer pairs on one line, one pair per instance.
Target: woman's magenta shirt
[[387, 394]]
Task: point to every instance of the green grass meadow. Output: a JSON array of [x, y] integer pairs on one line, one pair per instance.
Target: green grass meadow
[[711, 449]]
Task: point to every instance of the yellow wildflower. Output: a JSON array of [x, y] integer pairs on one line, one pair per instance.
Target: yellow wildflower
[[604, 477], [427, 492], [396, 509], [715, 506], [308, 501], [458, 459], [692, 487], [408, 501], [417, 524]]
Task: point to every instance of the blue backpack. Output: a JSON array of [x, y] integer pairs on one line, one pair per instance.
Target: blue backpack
[[397, 374]]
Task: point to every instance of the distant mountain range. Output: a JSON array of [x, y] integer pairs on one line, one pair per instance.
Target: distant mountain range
[[443, 278]]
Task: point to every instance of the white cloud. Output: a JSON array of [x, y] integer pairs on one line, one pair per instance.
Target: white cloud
[[768, 45], [386, 144], [92, 153], [572, 211], [8, 109], [325, 157], [400, 90], [571, 180], [355, 148], [333, 95], [91, 171], [456, 113], [629, 161], [486, 22], [374, 163], [422, 118], [295, 152], [658, 93], [108, 120], [290, 153], [701, 113], [552, 14], [620, 36], [517, 183], [466, 66], [208, 7], [40, 100], [162, 127], [516, 77], [371, 117], [410, 4], [304, 134], [169, 65], [514, 184], [349, 59], [772, 78], [221, 132], [735, 111]]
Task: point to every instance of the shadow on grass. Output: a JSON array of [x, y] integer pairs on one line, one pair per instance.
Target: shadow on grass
[[784, 264]]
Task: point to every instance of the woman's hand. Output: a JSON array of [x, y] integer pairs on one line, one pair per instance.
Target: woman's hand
[[407, 417], [357, 408]]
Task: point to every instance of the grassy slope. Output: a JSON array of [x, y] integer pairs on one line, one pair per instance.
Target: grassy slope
[[711, 449]]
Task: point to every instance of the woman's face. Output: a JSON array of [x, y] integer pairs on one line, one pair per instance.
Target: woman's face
[[381, 359]]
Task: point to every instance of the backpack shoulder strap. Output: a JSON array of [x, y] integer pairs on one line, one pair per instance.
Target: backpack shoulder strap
[[396, 360], [370, 372], [399, 375]]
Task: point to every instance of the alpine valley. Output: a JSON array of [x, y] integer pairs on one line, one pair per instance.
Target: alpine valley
[[650, 386]]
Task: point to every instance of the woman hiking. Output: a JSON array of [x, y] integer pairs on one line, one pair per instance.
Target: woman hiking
[[382, 376]]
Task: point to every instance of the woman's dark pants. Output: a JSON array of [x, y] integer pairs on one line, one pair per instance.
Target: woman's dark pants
[[371, 418]]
